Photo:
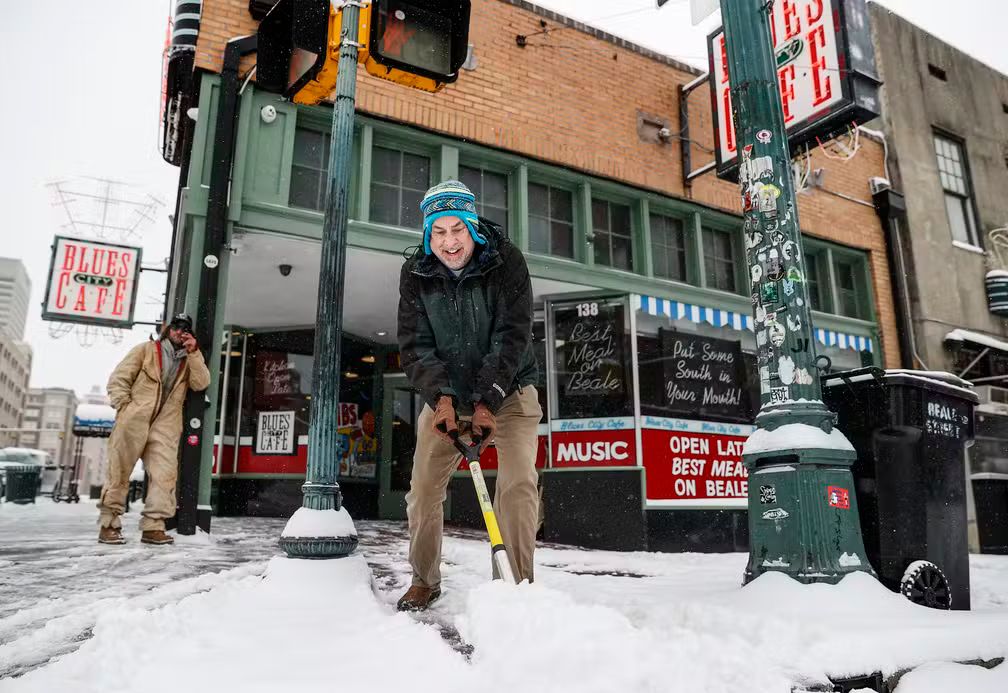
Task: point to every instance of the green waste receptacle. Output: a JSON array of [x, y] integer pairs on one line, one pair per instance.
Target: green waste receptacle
[[22, 483]]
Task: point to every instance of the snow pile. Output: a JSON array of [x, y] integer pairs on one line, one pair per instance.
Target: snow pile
[[941, 677], [310, 523], [796, 436]]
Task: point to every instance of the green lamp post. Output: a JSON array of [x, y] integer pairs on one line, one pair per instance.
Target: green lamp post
[[321, 528], [803, 518]]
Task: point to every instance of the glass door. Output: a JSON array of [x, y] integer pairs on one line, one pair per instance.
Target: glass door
[[401, 406]]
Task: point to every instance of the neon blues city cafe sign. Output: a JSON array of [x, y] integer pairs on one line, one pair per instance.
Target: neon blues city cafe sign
[[92, 282], [825, 73]]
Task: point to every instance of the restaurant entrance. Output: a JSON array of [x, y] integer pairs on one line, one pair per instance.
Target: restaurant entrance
[[401, 406]]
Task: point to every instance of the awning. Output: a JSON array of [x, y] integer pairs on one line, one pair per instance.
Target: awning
[[676, 310], [976, 338]]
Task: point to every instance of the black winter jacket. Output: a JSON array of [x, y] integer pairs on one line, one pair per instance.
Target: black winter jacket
[[468, 337]]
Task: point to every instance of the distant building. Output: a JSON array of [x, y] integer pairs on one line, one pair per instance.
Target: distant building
[[51, 412], [15, 370], [94, 453], [15, 290]]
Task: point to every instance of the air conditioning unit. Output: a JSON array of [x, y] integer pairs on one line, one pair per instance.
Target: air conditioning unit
[[878, 184], [993, 399]]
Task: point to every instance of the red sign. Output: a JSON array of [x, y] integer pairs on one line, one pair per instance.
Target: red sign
[[92, 282], [594, 448], [694, 463], [838, 497]]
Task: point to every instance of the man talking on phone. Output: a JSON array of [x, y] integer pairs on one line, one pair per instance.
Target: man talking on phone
[[148, 389]]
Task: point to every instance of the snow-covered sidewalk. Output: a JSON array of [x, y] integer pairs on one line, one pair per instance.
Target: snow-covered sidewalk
[[593, 621]]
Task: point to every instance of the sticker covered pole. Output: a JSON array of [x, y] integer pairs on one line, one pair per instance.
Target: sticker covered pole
[[803, 517]]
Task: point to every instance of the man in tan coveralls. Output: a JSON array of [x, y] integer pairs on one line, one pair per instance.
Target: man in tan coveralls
[[148, 389], [465, 339]]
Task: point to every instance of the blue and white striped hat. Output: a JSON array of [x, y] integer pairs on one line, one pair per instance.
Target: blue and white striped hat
[[450, 198]]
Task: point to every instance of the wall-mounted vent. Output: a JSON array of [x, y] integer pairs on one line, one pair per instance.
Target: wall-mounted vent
[[937, 72]]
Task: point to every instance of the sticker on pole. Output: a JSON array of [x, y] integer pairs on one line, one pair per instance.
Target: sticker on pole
[[838, 497], [700, 9], [776, 514]]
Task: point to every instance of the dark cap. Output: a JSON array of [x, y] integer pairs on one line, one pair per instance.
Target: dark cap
[[182, 321]]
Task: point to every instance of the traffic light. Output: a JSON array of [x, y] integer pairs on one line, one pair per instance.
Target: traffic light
[[417, 43], [293, 45], [420, 44]]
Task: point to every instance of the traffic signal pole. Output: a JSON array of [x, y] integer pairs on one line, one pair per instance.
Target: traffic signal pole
[[803, 517], [321, 489]]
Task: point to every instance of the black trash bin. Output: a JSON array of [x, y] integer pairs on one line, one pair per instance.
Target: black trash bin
[[22, 483], [910, 430]]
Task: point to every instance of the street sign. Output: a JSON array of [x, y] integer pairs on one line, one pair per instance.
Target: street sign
[[92, 282], [825, 70]]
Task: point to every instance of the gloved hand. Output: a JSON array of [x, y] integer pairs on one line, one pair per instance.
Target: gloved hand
[[484, 423], [444, 418]]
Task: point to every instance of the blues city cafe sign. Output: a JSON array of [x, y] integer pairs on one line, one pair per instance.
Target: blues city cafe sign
[[826, 75], [92, 282]]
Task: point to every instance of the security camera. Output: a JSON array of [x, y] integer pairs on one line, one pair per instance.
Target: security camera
[[268, 113], [664, 134], [285, 270]]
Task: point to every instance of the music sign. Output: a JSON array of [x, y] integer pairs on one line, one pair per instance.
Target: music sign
[[825, 74], [92, 282]]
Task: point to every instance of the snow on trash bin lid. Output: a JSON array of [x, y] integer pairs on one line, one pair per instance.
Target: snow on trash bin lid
[[936, 381]]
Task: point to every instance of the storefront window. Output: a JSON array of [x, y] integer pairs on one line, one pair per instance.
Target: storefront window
[[592, 364], [491, 190], [668, 247], [539, 349], [693, 370], [551, 220], [612, 230], [398, 183], [281, 364]]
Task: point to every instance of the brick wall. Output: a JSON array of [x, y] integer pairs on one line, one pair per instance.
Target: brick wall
[[571, 98]]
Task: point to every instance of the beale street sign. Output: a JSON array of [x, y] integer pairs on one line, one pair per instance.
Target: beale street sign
[[825, 74], [92, 282]]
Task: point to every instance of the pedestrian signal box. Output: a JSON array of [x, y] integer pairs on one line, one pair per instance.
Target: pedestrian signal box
[[418, 44]]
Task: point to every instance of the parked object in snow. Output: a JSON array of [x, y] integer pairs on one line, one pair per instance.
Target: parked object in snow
[[911, 430]]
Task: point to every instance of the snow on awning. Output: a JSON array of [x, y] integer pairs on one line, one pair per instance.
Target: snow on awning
[[976, 338], [676, 310]]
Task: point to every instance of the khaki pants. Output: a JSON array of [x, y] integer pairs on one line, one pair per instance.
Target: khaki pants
[[158, 447], [516, 498]]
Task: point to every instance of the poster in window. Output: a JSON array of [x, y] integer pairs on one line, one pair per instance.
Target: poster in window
[[703, 376], [592, 369], [275, 433], [276, 375]]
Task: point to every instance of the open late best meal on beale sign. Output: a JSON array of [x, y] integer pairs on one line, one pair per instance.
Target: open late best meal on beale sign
[[92, 282]]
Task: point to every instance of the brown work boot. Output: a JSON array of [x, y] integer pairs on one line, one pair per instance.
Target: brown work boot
[[110, 535], [156, 536], [418, 598]]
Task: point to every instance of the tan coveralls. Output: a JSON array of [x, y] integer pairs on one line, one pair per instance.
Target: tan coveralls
[[146, 429]]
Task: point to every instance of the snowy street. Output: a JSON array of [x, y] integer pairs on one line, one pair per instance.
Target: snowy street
[[200, 615]]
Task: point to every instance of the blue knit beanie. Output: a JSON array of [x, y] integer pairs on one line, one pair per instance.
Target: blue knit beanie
[[450, 199]]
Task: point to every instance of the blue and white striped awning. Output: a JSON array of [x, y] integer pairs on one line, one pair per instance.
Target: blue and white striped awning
[[677, 310]]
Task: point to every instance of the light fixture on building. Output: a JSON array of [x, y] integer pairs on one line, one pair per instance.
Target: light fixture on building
[[350, 375], [368, 359], [380, 333]]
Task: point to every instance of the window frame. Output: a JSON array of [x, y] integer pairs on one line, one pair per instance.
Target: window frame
[[967, 200], [690, 273], [403, 148], [602, 193], [509, 174], [577, 230], [739, 264]]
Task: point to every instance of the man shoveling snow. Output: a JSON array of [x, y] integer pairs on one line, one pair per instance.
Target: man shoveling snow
[[465, 336]]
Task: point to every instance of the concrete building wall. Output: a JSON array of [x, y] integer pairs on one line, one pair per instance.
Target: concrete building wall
[[576, 104], [15, 370], [52, 410], [15, 290], [971, 104]]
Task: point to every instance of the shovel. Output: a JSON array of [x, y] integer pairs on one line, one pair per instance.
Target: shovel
[[471, 454]]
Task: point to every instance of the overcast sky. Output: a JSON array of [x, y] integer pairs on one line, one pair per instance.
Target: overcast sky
[[82, 88]]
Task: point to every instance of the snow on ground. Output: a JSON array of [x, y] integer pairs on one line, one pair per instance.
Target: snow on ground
[[593, 620]]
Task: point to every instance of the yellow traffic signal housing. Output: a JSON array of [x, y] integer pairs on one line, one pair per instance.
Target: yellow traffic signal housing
[[418, 44]]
